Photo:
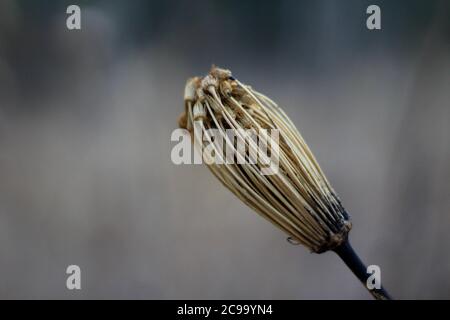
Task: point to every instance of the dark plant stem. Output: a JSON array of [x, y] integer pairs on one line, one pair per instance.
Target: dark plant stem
[[351, 259]]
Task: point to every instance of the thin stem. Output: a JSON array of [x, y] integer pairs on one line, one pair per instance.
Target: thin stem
[[351, 259]]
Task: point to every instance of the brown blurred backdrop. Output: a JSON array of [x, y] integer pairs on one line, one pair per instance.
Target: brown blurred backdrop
[[85, 170]]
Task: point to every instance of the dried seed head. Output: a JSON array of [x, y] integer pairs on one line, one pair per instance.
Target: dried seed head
[[298, 197]]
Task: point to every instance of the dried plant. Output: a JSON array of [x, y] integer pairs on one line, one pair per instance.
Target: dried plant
[[297, 197]]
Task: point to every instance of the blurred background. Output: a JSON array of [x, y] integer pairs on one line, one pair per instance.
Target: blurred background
[[85, 171]]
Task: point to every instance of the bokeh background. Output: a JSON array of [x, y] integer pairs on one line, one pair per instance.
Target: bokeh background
[[85, 124]]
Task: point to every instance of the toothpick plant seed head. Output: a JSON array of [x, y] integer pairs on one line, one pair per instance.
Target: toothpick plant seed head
[[297, 198]]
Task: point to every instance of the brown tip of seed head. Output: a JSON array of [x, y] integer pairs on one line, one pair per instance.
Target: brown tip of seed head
[[219, 73]]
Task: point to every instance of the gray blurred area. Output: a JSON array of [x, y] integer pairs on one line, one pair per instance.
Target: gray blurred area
[[85, 171]]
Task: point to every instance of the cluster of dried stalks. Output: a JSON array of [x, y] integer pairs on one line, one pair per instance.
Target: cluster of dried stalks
[[297, 198]]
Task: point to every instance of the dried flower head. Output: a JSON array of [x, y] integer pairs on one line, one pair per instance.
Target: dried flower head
[[297, 198]]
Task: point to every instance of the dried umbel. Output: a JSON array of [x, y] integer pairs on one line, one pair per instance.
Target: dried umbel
[[296, 197]]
